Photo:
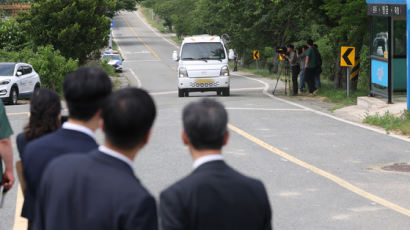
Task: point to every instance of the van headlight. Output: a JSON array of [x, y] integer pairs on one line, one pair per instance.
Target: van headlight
[[4, 82], [225, 71], [183, 72]]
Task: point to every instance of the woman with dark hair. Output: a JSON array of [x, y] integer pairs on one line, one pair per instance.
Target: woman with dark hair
[[45, 117]]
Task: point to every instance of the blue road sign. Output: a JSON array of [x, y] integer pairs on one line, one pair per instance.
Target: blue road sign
[[112, 24]]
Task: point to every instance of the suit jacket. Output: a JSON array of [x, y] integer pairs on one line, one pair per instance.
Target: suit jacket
[[21, 142], [93, 191], [39, 152], [213, 197]]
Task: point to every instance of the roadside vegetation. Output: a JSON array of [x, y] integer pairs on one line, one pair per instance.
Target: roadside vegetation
[[158, 23], [390, 122]]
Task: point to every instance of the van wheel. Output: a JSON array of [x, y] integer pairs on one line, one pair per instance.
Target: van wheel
[[218, 92], [186, 94], [13, 96], [180, 93], [225, 92]]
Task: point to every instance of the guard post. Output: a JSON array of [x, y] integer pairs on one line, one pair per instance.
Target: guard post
[[388, 48]]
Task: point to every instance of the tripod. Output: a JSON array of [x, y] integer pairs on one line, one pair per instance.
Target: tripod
[[284, 71]]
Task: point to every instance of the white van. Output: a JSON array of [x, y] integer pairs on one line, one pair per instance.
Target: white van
[[203, 65]]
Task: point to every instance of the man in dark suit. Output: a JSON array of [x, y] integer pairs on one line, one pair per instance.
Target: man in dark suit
[[85, 91], [214, 196], [99, 190]]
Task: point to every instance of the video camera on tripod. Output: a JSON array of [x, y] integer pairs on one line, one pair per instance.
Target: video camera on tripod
[[282, 52]]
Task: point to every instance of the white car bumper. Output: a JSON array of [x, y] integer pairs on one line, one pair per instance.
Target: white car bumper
[[203, 84]]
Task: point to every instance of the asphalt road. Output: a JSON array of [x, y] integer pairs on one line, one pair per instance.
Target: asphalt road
[[320, 172]]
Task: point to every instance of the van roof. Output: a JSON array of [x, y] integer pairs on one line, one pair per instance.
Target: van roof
[[202, 38]]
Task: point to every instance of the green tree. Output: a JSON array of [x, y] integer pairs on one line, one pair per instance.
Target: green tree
[[12, 36], [76, 28]]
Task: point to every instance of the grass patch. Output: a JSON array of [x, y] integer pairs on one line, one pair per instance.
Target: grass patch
[[114, 45], [339, 96], [103, 65], [176, 40], [157, 23], [390, 122]]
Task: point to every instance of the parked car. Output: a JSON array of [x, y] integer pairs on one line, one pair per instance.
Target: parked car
[[113, 60], [17, 81]]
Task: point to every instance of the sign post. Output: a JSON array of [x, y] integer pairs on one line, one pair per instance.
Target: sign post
[[256, 57], [347, 59], [110, 41]]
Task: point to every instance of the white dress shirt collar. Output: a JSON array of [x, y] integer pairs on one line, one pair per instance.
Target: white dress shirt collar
[[79, 128], [205, 159], [117, 155]]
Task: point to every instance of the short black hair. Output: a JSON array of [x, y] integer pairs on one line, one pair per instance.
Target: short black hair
[[310, 42], [290, 46], [205, 123], [128, 115], [85, 91]]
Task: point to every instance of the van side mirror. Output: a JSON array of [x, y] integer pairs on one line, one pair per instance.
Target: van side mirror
[[19, 73], [231, 54], [175, 56]]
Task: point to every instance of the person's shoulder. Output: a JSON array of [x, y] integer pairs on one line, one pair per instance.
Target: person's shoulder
[[46, 140], [181, 185], [68, 163], [248, 180], [21, 138]]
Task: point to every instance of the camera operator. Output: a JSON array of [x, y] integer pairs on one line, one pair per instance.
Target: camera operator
[[301, 54], [312, 66], [293, 61]]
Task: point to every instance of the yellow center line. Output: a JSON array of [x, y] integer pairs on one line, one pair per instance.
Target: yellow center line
[[145, 44], [321, 172], [20, 223], [15, 114]]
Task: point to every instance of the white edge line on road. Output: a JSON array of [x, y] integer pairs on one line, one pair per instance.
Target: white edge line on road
[[265, 109], [139, 85], [155, 32], [265, 91]]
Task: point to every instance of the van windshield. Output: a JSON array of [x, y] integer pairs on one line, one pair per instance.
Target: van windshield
[[203, 51]]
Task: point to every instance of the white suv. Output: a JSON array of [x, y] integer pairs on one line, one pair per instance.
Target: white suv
[[202, 65], [17, 81]]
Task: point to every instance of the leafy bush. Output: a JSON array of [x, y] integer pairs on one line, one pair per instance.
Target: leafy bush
[[48, 63], [12, 37]]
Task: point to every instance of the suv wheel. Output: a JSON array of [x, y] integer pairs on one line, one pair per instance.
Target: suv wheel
[[13, 96]]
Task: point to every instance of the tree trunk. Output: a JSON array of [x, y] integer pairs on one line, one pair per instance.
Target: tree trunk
[[275, 63], [242, 62]]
